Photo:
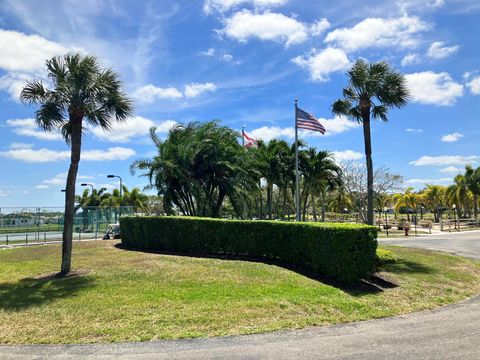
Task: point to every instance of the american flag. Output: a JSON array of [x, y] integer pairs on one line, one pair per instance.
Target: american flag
[[308, 122]]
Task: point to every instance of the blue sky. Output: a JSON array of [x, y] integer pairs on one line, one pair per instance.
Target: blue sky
[[243, 62]]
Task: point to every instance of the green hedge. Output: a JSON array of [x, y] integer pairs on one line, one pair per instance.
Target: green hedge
[[345, 252]]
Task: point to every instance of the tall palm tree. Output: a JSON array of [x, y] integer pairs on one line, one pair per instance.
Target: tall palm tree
[[80, 90], [472, 178], [373, 89]]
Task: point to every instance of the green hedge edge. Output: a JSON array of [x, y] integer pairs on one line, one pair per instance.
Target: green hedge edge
[[345, 252]]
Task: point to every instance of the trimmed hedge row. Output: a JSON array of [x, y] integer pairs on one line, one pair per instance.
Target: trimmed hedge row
[[345, 252]]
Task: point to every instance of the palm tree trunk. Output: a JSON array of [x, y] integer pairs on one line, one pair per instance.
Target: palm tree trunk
[[76, 145], [368, 157], [313, 209]]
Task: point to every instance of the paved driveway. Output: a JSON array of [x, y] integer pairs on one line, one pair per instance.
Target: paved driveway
[[451, 332], [465, 243]]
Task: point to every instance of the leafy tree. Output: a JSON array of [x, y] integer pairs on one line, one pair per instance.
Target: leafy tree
[[80, 90], [372, 90], [408, 200], [197, 167], [435, 199], [472, 179], [459, 194]]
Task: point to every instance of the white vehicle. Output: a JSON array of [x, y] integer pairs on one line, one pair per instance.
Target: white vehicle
[[113, 232]]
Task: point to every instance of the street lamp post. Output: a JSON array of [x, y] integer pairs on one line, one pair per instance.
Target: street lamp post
[[454, 207], [385, 209], [116, 176], [84, 184]]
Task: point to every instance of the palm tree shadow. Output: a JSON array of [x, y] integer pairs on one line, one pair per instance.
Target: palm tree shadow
[[403, 266], [30, 292], [374, 284]]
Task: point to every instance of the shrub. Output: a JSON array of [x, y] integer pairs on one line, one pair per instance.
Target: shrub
[[345, 252], [385, 257]]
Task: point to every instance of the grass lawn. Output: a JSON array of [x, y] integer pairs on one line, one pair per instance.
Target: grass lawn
[[133, 296]]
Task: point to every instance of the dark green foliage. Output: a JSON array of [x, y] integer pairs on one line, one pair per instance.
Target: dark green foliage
[[385, 257], [344, 252]]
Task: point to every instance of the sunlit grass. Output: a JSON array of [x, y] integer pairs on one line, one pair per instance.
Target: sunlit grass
[[133, 296]]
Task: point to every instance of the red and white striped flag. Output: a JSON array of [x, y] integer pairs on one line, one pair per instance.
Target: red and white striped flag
[[249, 142], [308, 122]]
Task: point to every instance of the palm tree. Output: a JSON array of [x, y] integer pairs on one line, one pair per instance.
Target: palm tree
[[373, 89], [408, 200], [459, 194], [80, 90], [472, 178], [435, 199]]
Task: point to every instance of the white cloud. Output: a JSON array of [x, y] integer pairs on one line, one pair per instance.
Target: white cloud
[[324, 62], [334, 126], [60, 180], [377, 32], [19, 145], [150, 93], [418, 131], [347, 155], [13, 83], [245, 25], [134, 127], [444, 160], [28, 127], [43, 155], [440, 181], [450, 169], [209, 52], [474, 85], [195, 89], [452, 137], [319, 27], [433, 88], [410, 59], [26, 53], [438, 51], [225, 5], [407, 6]]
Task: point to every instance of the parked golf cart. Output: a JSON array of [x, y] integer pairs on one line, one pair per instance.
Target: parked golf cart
[[113, 232]]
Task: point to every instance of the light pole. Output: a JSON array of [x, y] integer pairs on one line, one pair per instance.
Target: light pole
[[121, 190], [385, 209], [454, 207], [116, 176], [84, 184]]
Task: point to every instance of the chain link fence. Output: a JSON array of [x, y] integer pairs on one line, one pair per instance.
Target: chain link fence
[[42, 224]]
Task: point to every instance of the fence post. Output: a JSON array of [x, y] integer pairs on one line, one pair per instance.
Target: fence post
[[7, 239], [26, 239]]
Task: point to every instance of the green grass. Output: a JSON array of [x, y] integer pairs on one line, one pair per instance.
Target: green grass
[[133, 296]]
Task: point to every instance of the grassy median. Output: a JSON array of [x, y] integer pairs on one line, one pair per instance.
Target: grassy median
[[120, 295]]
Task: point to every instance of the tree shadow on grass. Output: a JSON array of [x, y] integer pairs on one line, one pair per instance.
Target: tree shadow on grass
[[29, 292], [403, 266], [374, 284]]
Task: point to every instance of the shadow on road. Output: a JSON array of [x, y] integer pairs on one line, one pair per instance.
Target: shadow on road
[[31, 292]]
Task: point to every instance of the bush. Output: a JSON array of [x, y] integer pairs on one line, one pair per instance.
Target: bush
[[345, 252], [385, 257]]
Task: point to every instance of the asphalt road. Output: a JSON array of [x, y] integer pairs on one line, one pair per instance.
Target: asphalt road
[[451, 332], [465, 243]]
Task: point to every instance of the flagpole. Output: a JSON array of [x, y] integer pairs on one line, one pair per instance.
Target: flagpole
[[243, 136], [297, 176]]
